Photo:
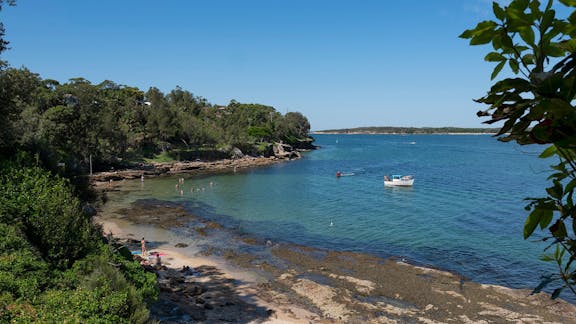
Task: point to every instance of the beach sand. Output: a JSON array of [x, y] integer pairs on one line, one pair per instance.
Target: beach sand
[[231, 293], [235, 278]]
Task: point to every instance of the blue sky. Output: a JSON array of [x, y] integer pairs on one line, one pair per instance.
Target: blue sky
[[340, 63]]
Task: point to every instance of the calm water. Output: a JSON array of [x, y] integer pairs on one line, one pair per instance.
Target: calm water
[[465, 212]]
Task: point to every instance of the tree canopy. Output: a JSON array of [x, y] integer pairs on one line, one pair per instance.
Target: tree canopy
[[112, 123], [536, 107]]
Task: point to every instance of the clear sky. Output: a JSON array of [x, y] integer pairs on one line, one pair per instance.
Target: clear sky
[[340, 63]]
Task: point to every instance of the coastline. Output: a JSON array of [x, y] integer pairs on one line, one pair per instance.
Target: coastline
[[189, 168], [283, 282], [389, 133]]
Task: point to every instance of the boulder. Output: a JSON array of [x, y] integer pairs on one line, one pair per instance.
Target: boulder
[[236, 153]]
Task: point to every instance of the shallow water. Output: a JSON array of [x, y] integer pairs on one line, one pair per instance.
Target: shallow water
[[464, 214]]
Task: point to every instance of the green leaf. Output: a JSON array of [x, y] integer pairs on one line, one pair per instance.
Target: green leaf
[[558, 230], [548, 152], [570, 186], [497, 70], [468, 33], [527, 34], [483, 37], [547, 258], [529, 59], [569, 3], [546, 216], [558, 175], [531, 222], [556, 191], [547, 19], [494, 57], [514, 65], [498, 11], [554, 50], [535, 8]]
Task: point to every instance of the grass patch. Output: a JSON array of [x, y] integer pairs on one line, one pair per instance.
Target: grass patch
[[160, 158]]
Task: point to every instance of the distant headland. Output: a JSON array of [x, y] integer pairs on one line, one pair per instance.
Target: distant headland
[[409, 130]]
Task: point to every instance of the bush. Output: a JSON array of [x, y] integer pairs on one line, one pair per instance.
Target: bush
[[43, 207]]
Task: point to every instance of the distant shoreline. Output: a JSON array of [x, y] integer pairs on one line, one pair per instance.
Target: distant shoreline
[[395, 130], [391, 133]]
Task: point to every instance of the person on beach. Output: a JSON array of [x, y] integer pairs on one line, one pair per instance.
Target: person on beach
[[158, 261], [143, 243]]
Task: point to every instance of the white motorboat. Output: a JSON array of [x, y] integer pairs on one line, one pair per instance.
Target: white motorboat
[[397, 180]]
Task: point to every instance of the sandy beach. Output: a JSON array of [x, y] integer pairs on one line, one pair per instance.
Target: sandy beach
[[248, 280]]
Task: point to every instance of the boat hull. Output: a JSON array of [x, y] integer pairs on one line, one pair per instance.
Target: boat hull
[[399, 183]]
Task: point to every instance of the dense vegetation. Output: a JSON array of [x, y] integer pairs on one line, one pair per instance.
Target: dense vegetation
[[411, 130], [55, 266], [112, 124], [536, 107], [55, 263]]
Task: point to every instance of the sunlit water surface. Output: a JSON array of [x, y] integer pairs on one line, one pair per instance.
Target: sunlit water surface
[[464, 214]]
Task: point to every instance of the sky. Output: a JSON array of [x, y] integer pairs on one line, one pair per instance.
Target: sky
[[342, 64]]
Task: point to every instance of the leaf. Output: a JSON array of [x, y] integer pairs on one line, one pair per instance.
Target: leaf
[[480, 28], [570, 186], [547, 258], [535, 8], [468, 33], [569, 3], [556, 191], [558, 175], [497, 70], [531, 222], [558, 230], [529, 59], [498, 11], [545, 218], [494, 57], [527, 34], [548, 152], [547, 19], [554, 50], [520, 5], [483, 37], [514, 65]]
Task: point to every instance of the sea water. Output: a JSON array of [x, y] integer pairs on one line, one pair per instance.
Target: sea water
[[465, 212]]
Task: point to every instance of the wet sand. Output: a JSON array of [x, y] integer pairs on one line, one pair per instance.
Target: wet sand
[[247, 279]]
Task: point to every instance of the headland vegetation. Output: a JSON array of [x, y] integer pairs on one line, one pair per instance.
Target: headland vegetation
[[408, 130]]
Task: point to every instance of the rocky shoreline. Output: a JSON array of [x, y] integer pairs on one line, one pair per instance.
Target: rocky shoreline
[[299, 284], [279, 153]]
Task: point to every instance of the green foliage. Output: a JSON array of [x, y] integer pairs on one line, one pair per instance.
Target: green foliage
[[104, 287], [110, 123], [537, 108], [44, 209]]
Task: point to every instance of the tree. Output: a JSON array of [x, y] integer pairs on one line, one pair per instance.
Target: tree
[[295, 125], [3, 42], [537, 108]]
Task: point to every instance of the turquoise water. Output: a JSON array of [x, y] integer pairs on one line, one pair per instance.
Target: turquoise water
[[465, 212]]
